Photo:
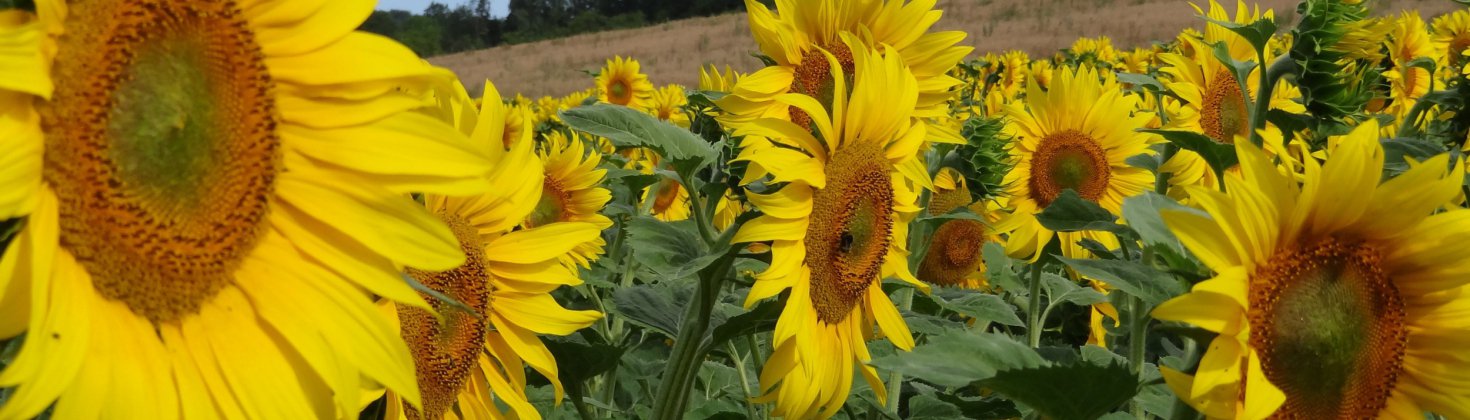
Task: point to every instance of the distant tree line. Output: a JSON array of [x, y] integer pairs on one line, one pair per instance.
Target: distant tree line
[[442, 29]]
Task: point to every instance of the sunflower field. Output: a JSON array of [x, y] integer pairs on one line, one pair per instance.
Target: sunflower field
[[247, 209]]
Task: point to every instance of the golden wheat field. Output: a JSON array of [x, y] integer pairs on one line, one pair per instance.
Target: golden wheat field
[[854, 209]]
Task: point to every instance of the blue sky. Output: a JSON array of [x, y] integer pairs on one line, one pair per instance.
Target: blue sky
[[497, 7]]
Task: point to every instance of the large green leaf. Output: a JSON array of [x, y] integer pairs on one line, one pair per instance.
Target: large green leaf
[[1142, 213], [1069, 212], [578, 360], [1257, 32], [958, 358], [981, 306], [1081, 391], [998, 267], [1219, 156], [1131, 277], [929, 407], [657, 307], [669, 249], [761, 318], [627, 127]]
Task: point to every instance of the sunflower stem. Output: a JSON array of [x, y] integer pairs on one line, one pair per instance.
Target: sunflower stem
[[1033, 316], [1137, 342], [744, 379], [697, 204], [1269, 76], [689, 347], [575, 392], [895, 378]]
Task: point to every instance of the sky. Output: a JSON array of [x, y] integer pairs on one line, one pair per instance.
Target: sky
[[498, 8]]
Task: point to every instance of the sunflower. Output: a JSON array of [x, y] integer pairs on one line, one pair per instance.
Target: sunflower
[[1213, 101], [797, 33], [668, 104], [622, 83], [1014, 65], [1452, 38], [1338, 298], [837, 227], [1096, 50], [572, 192], [1408, 41], [212, 190], [468, 360], [1074, 136], [666, 200], [954, 256], [713, 80]]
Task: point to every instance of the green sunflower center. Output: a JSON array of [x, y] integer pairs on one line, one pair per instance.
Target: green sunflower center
[[162, 151], [851, 227], [813, 77], [1329, 325], [1223, 115], [446, 354], [1068, 160], [552, 206]]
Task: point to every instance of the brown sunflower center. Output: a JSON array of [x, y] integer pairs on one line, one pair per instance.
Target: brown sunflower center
[[618, 91], [162, 150], [668, 192], [954, 252], [1330, 328], [1223, 115], [851, 223], [1068, 160], [445, 354], [813, 77], [552, 206]]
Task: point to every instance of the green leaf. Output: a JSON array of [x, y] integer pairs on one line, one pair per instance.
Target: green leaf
[[627, 127], [1131, 277], [1147, 161], [926, 407], [998, 267], [669, 249], [578, 360], [657, 307], [959, 358], [1258, 32], [990, 407], [1220, 156], [1082, 296], [1142, 213], [1082, 391], [981, 306], [1069, 212], [759, 319], [1397, 151], [1143, 81], [1426, 63], [1239, 69]]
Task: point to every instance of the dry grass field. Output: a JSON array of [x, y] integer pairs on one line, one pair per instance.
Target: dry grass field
[[673, 52]]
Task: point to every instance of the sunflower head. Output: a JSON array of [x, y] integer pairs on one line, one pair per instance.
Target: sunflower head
[[621, 82], [667, 104], [1334, 304], [1452, 37], [837, 225], [714, 80]]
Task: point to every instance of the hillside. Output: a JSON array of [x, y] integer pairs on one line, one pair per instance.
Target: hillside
[[673, 52]]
